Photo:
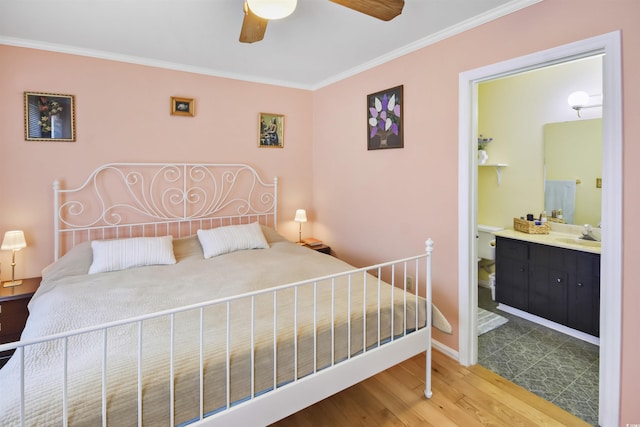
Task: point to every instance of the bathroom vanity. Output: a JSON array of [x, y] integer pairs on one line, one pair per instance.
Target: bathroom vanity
[[553, 277]]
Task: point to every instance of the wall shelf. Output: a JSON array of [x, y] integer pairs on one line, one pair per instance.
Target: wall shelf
[[498, 167]]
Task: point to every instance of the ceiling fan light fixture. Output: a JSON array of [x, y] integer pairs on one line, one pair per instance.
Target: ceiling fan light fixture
[[272, 9]]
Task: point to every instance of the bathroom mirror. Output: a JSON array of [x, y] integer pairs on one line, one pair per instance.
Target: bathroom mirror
[[573, 170]]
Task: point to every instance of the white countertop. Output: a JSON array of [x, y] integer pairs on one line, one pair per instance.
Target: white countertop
[[561, 240]]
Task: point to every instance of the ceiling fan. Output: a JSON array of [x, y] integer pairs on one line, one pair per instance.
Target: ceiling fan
[[258, 12]]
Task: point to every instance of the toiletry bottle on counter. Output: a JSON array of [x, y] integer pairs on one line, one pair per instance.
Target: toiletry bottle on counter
[[560, 215], [543, 217]]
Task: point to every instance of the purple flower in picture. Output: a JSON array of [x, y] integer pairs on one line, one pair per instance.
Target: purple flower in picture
[[384, 115]]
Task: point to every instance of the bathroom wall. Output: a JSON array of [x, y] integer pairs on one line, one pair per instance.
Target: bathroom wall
[[514, 111]]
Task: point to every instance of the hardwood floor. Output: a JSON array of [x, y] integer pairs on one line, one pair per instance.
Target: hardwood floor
[[462, 396]]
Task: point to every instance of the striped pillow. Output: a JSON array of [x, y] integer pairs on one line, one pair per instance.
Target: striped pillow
[[120, 254], [231, 238]]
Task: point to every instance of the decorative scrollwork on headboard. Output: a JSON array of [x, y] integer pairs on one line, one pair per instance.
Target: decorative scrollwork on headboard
[[128, 198]]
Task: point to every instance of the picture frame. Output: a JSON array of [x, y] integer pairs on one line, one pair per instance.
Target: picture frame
[[49, 117], [271, 130], [183, 106], [385, 112]]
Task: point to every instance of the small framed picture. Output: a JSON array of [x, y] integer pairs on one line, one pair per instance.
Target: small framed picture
[[183, 106], [49, 117], [384, 119], [271, 130]]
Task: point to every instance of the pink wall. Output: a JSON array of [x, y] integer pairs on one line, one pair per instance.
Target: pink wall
[[369, 205], [122, 114], [377, 204]]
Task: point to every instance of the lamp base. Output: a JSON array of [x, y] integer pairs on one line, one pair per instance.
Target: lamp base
[[12, 283]]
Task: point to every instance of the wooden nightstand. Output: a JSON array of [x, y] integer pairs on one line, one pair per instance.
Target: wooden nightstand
[[14, 312]]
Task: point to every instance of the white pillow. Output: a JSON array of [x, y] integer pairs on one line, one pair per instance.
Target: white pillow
[[120, 254], [231, 238]]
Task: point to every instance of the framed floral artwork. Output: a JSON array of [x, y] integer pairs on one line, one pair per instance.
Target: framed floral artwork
[[384, 119], [183, 106], [271, 130], [49, 117]]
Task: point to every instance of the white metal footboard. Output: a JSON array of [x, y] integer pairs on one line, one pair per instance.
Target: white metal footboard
[[384, 325]]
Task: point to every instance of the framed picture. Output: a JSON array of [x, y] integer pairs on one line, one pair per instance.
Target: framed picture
[[49, 117], [271, 130], [384, 119], [182, 106]]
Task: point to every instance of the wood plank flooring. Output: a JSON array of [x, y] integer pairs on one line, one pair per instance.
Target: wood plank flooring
[[462, 396]]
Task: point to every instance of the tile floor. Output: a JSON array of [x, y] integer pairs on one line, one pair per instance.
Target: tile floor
[[555, 366]]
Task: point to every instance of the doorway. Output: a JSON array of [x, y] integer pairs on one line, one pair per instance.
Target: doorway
[[610, 322]]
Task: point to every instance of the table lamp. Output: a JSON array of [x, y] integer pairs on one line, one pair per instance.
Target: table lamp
[[301, 216], [13, 241]]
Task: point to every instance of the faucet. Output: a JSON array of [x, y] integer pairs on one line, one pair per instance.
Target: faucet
[[587, 234]]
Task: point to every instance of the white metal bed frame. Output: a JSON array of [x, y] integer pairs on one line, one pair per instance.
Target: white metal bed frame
[[181, 207], [159, 199]]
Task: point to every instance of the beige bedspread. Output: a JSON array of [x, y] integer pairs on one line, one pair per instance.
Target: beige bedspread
[[69, 299]]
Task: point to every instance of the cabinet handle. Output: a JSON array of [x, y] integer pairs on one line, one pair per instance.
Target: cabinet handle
[[559, 280], [580, 284]]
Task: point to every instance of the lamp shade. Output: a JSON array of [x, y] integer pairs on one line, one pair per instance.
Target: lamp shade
[[272, 9], [301, 216], [578, 99], [13, 240]]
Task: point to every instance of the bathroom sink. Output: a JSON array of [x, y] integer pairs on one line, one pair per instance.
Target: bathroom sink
[[578, 241]]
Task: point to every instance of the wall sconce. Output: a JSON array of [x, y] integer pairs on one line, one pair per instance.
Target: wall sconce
[[301, 216], [272, 9], [13, 241], [579, 100]]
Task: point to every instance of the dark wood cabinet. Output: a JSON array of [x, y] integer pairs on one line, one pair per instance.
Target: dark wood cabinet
[[512, 262], [558, 284], [584, 295], [14, 312]]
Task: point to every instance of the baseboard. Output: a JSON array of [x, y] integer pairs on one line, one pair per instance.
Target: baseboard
[[549, 324], [448, 351]]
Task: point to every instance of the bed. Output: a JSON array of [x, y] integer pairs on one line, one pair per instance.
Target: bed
[[173, 300]]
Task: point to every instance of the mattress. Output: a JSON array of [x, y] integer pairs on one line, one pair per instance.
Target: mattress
[[239, 332]]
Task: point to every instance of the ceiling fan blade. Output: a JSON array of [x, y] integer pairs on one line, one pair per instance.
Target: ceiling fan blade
[[253, 27], [385, 10]]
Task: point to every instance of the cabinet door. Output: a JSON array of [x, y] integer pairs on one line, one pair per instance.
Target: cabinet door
[[550, 271], [548, 293], [583, 306], [512, 272]]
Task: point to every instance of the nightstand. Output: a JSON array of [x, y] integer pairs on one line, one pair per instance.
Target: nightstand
[[321, 248], [14, 312]]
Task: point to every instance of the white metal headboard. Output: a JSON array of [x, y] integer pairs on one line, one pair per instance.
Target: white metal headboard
[[155, 199]]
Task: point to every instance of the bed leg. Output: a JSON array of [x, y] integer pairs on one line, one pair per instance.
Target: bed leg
[[427, 392], [429, 249]]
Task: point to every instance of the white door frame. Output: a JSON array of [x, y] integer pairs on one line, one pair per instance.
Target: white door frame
[[611, 259]]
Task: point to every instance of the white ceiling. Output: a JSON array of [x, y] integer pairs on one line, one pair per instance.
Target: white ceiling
[[320, 43]]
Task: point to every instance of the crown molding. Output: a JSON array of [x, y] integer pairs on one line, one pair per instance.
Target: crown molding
[[493, 14], [454, 30]]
